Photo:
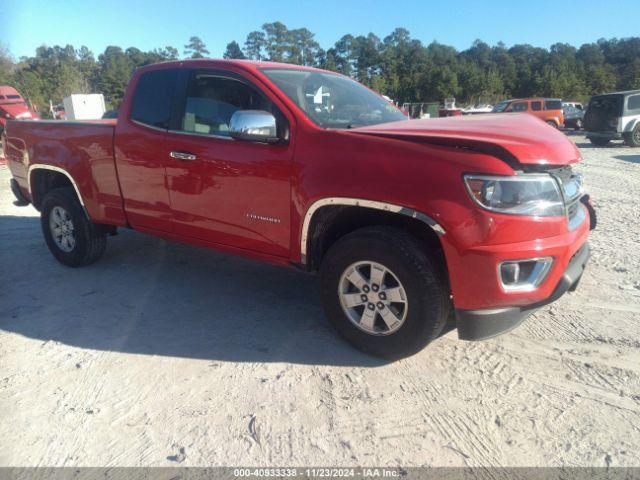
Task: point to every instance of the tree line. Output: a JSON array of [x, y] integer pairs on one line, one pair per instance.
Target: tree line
[[397, 65]]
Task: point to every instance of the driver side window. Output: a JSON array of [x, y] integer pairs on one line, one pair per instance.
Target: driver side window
[[211, 100]]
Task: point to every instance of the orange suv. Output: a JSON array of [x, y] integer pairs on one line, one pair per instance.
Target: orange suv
[[547, 109]]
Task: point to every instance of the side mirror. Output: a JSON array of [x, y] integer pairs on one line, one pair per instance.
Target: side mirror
[[253, 126]]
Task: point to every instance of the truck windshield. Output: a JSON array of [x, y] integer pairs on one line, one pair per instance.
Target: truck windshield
[[333, 101]]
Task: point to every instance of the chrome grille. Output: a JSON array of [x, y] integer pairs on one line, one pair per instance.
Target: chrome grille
[[571, 184]]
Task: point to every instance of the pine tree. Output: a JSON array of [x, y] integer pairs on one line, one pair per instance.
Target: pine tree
[[195, 48]]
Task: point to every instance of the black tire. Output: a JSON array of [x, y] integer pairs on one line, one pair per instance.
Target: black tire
[[599, 142], [551, 123], [632, 139], [90, 239], [578, 125], [420, 274]]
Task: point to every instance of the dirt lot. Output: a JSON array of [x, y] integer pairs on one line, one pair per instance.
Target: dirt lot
[[163, 354]]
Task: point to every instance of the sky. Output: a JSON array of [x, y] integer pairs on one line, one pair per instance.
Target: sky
[[148, 24]]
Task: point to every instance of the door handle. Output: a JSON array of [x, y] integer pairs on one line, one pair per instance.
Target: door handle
[[184, 156]]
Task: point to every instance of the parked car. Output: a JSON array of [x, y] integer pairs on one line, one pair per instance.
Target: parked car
[[573, 117], [477, 109], [406, 222], [577, 105], [13, 106], [547, 109], [614, 116]]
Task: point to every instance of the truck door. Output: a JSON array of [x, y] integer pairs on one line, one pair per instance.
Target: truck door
[[222, 190], [139, 149]]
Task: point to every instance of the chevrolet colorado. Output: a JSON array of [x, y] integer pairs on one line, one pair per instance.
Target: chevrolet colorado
[[410, 224]]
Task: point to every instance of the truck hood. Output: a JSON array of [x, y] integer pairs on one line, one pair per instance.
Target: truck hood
[[515, 138]]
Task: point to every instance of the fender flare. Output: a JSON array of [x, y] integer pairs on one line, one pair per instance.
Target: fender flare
[[633, 124], [360, 202], [42, 166]]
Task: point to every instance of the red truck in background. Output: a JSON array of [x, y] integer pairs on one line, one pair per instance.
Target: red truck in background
[[13, 106], [409, 223]]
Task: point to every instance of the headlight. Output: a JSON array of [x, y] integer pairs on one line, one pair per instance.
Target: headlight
[[23, 115], [529, 194]]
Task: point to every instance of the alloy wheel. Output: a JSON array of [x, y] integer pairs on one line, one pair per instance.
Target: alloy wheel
[[62, 229], [373, 298]]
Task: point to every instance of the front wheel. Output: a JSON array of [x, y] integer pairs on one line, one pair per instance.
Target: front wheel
[[551, 123], [632, 139], [599, 142], [383, 293], [71, 237]]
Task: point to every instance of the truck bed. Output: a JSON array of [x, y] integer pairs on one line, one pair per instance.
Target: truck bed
[[82, 149]]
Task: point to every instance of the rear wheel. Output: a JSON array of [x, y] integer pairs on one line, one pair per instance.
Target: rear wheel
[[71, 237], [383, 293], [632, 139], [599, 142], [578, 125]]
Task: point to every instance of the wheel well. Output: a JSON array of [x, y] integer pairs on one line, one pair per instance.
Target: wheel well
[[42, 181], [330, 223]]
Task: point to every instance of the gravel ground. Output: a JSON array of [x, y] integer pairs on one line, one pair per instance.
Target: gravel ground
[[167, 355]]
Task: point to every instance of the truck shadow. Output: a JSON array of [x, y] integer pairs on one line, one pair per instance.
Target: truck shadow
[[572, 132], [628, 158], [586, 145], [612, 144], [149, 296]]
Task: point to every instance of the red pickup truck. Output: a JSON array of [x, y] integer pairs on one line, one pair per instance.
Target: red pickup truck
[[12, 105], [411, 224]]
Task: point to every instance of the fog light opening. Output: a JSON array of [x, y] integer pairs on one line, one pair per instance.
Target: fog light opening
[[519, 275]]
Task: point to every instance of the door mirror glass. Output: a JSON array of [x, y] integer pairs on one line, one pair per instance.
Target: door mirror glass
[[253, 126]]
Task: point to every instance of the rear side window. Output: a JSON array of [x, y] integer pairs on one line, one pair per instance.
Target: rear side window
[[519, 107], [536, 106], [553, 105], [153, 97], [634, 102]]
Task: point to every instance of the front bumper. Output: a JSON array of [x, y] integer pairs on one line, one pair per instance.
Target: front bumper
[[487, 323]]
